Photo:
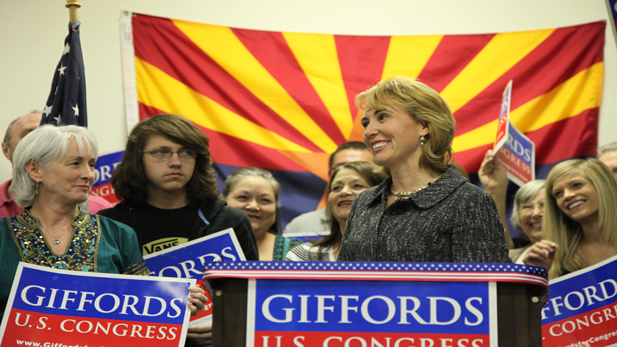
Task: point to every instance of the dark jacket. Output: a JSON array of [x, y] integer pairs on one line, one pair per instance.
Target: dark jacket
[[219, 217], [448, 221]]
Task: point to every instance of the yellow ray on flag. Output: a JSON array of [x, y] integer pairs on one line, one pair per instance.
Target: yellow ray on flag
[[569, 99], [498, 56], [316, 163], [167, 94], [407, 55], [318, 58], [222, 45], [579, 93]]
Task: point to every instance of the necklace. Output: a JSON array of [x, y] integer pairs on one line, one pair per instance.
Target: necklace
[[395, 193], [57, 240]]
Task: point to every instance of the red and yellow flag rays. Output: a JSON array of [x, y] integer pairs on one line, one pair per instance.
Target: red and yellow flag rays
[[284, 101]]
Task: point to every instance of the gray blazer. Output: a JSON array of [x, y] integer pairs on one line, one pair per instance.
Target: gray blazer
[[449, 221]]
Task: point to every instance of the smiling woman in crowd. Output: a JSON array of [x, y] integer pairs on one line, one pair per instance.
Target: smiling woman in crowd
[[53, 174], [527, 214], [580, 223], [346, 183], [426, 211], [256, 192]]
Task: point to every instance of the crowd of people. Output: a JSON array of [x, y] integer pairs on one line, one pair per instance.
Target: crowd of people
[[395, 197]]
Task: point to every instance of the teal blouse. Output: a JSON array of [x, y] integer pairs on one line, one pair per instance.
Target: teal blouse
[[99, 244], [282, 245]]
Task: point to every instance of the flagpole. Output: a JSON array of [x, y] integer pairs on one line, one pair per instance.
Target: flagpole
[[73, 5]]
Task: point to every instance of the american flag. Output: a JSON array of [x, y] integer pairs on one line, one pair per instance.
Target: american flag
[[66, 103]]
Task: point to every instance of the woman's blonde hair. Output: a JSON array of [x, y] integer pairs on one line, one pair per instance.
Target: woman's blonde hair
[[566, 232], [425, 106]]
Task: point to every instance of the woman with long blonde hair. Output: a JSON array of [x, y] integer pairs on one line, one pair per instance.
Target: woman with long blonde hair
[[580, 223]]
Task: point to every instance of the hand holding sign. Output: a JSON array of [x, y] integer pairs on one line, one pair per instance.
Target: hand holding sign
[[201, 335], [197, 300], [186, 260]]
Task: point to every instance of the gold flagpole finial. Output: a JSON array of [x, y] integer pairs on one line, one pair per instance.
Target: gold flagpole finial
[[73, 5]]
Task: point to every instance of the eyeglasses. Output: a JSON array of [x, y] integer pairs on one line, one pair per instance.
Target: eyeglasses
[[166, 153]]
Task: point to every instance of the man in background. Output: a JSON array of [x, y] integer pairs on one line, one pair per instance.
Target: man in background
[[608, 155], [15, 132], [314, 224]]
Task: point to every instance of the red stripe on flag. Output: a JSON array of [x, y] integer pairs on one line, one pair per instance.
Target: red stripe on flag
[[159, 42], [229, 150], [146, 111], [272, 51], [566, 52], [451, 56], [362, 59], [582, 127]]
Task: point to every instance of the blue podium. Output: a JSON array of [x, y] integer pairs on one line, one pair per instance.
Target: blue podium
[[375, 304]]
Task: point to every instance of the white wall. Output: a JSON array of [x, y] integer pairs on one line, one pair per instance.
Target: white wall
[[32, 32]]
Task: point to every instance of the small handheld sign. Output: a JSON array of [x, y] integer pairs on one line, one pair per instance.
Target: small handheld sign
[[104, 167], [186, 261], [51, 307], [515, 151], [582, 306]]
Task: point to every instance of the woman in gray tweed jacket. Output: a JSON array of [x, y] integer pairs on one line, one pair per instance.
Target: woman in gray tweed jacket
[[426, 211]]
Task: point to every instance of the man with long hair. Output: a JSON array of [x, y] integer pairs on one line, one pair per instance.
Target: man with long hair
[[169, 194]]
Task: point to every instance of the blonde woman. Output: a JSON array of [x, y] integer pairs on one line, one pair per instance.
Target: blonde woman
[[426, 211], [580, 223]]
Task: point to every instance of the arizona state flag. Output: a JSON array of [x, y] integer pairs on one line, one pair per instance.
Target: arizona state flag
[[284, 101]]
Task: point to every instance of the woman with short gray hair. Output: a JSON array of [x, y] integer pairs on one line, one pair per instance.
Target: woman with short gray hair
[[527, 214], [53, 173]]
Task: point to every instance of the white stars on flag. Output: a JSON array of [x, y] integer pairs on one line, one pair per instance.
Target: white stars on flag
[[47, 110]]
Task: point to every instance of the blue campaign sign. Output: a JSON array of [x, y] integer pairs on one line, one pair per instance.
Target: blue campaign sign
[[313, 303], [518, 156], [84, 307], [504, 117], [104, 167], [305, 304], [187, 261], [582, 307], [372, 306], [514, 150]]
